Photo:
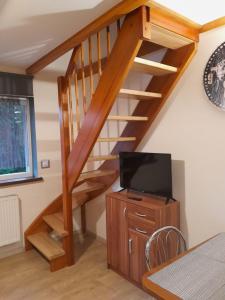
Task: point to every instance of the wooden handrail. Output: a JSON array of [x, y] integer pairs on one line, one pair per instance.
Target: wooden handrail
[[72, 63], [119, 62], [121, 9]]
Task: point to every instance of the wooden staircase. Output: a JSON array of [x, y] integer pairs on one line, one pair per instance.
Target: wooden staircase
[[83, 118]]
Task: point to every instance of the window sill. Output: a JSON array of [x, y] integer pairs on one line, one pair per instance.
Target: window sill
[[20, 181]]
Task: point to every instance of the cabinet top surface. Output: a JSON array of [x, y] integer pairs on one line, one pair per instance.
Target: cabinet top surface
[[146, 200]]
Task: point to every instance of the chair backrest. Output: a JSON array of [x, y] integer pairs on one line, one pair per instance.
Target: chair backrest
[[164, 244]]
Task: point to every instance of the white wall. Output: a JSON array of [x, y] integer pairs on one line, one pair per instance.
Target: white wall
[[189, 127], [192, 130], [36, 196]]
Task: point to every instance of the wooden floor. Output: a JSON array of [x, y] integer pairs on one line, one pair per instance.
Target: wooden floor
[[27, 276]]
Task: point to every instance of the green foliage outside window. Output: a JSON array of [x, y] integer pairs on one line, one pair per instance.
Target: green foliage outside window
[[13, 136]]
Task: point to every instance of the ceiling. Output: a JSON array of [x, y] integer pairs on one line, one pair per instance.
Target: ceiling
[[31, 29], [199, 11]]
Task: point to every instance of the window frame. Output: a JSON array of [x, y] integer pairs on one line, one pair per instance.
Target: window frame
[[31, 154]]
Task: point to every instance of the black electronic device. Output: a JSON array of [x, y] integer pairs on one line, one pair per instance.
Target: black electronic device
[[147, 173]]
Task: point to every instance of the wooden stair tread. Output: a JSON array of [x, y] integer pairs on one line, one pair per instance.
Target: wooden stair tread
[[87, 187], [79, 199], [94, 174], [102, 157], [55, 221], [140, 95], [47, 246], [126, 118], [117, 139], [152, 67]]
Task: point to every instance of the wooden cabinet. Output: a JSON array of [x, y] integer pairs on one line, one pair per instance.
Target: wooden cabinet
[[137, 264], [117, 230], [129, 224]]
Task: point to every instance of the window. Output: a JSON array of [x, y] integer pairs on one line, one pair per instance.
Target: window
[[15, 138], [17, 131]]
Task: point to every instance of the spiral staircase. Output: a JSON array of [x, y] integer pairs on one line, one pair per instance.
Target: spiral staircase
[[94, 79]]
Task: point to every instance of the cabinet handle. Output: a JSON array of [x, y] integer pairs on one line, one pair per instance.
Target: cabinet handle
[[141, 231], [130, 246], [140, 215]]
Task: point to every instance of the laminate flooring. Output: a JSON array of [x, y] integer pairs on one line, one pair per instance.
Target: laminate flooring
[[26, 276]]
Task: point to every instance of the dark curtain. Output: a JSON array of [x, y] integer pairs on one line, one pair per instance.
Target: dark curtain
[[16, 85]]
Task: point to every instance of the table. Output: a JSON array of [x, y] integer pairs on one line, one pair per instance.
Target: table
[[198, 274]]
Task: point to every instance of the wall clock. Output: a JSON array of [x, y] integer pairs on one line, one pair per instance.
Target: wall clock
[[214, 77]]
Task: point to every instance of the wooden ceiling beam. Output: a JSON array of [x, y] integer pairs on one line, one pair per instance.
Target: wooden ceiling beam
[[213, 24], [123, 8]]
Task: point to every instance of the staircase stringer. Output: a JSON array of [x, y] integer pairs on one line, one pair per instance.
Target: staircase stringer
[[115, 71], [180, 58], [38, 225]]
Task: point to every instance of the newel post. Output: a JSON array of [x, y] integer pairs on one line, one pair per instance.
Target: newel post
[[65, 151]]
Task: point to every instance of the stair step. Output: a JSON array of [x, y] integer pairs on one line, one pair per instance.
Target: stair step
[[117, 139], [87, 187], [79, 199], [55, 221], [79, 195], [139, 95], [94, 174], [127, 118], [47, 246], [102, 157], [152, 67]]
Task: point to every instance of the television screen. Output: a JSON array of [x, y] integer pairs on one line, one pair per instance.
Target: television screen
[[146, 172]]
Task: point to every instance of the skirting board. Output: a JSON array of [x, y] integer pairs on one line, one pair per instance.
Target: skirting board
[[79, 235], [98, 238], [10, 250]]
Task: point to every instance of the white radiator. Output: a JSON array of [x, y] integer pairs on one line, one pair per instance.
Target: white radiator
[[10, 231]]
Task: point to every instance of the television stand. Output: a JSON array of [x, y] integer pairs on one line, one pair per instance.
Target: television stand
[[129, 224]]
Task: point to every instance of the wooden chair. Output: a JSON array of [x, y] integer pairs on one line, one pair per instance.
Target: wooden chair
[[164, 244]]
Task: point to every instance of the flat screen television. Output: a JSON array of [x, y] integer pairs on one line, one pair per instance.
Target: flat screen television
[[146, 172]]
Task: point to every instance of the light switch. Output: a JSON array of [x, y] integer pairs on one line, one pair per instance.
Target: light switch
[[45, 164]]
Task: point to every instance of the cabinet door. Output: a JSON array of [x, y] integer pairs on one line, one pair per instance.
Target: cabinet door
[[117, 236], [137, 263]]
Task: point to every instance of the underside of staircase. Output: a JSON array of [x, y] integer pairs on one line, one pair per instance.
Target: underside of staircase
[[94, 80]]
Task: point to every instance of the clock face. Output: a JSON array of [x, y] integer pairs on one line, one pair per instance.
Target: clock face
[[214, 77]]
